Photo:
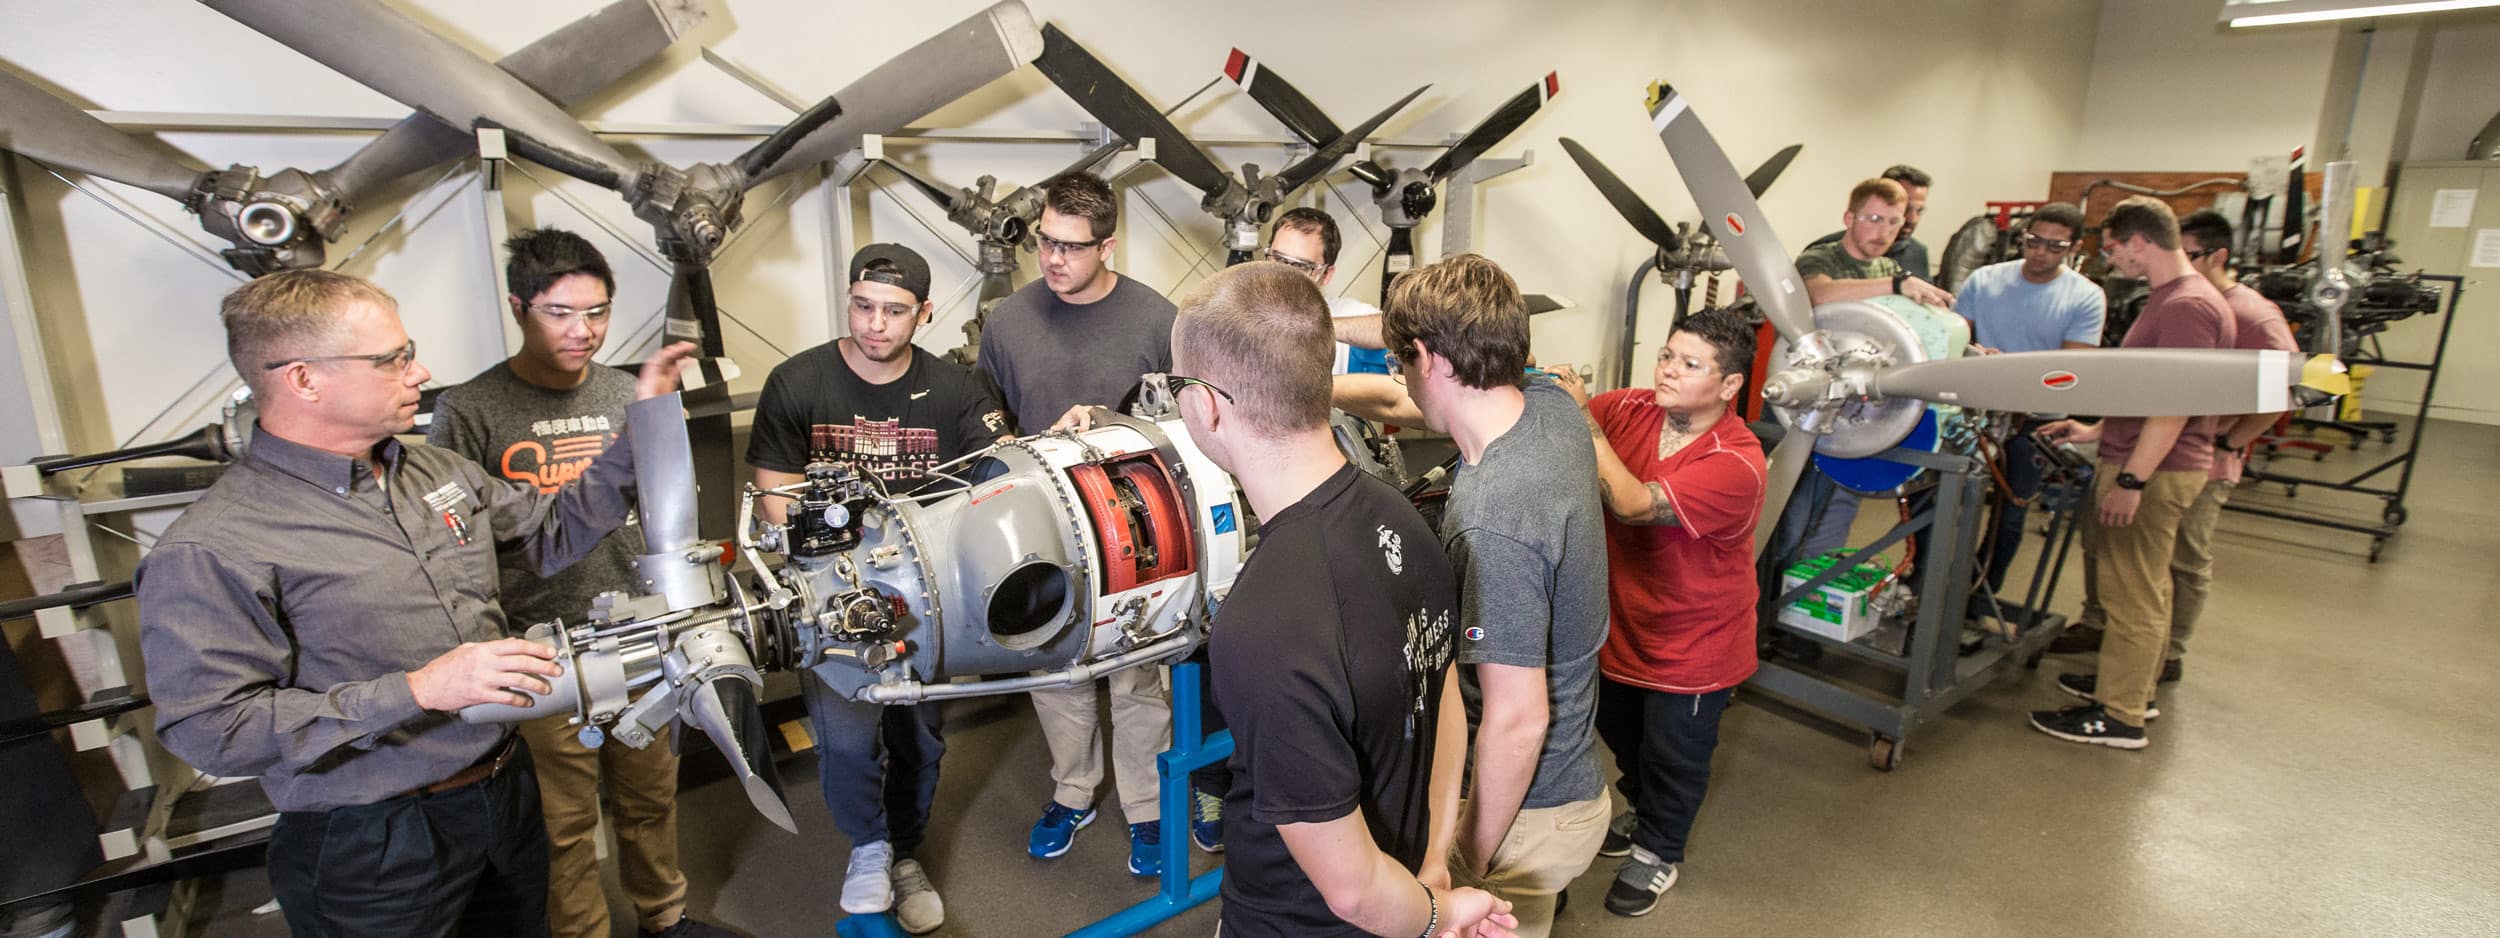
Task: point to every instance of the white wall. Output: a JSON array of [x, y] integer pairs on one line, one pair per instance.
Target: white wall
[[1986, 94], [2173, 89], [2462, 91]]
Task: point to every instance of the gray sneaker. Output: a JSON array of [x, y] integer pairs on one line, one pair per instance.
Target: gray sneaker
[[1638, 883], [916, 904], [868, 886], [1619, 835]]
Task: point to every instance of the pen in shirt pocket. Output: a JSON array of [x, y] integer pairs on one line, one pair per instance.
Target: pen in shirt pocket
[[458, 525]]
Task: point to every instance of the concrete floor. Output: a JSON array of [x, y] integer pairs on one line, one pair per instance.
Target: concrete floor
[[2320, 771]]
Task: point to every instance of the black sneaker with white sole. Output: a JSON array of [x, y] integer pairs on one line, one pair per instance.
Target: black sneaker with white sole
[[2081, 685], [1638, 883], [2088, 724], [1619, 835]]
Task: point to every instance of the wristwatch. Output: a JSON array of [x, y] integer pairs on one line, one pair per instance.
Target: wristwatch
[[1896, 282], [2223, 442], [2130, 482]]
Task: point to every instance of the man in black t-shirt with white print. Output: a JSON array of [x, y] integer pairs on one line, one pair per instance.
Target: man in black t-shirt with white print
[[871, 399], [1332, 653]]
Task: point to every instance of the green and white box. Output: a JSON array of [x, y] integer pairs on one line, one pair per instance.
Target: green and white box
[[1841, 610]]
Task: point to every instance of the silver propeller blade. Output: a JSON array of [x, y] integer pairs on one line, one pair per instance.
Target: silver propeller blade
[[569, 66], [383, 49], [941, 69], [1733, 215], [39, 126], [725, 709], [1788, 462], [2105, 382], [2331, 290]]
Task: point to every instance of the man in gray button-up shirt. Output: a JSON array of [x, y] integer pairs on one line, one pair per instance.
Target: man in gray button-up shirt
[[322, 610]]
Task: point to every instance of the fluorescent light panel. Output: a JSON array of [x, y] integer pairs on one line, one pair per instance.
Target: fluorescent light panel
[[2246, 13]]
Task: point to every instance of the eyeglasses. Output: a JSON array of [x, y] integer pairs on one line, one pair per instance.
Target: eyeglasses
[[1888, 221], [1308, 268], [2032, 242], [394, 362], [861, 304], [1172, 384], [1687, 365], [1045, 244], [565, 315], [2201, 255]]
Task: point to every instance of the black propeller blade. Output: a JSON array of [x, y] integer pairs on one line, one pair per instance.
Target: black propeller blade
[[1319, 162], [1489, 132], [1110, 99], [1626, 202]]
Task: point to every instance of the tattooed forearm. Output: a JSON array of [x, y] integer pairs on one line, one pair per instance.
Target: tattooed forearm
[[1661, 511]]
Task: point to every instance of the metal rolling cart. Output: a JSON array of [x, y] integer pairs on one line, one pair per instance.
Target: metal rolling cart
[[2392, 500], [1887, 692]]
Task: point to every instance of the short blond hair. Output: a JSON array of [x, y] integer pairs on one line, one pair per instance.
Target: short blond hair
[[1465, 309], [1261, 332], [1883, 190], [289, 314]]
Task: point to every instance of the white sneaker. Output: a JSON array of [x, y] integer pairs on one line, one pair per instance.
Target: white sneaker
[[868, 886], [917, 907]]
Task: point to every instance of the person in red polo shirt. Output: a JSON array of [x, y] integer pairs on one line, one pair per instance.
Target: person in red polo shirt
[[1682, 482]]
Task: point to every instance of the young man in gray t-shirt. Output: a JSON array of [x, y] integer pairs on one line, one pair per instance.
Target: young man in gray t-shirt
[[1079, 337], [1525, 533], [541, 417]]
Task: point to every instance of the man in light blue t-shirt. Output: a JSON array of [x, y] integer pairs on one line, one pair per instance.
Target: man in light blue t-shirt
[[2036, 304]]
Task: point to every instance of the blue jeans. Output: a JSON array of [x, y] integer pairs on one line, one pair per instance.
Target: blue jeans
[[2023, 469], [1662, 743], [878, 764]]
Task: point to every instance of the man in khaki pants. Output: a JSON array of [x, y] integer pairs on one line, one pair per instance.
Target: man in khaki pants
[[1527, 537], [2151, 470]]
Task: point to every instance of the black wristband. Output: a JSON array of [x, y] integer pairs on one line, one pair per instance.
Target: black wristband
[[2129, 481], [1432, 924], [1896, 282], [2223, 443]]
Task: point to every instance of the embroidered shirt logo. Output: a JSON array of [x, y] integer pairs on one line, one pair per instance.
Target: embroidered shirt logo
[[1392, 549]]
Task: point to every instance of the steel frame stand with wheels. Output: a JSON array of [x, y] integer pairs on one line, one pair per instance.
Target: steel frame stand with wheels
[[1192, 749], [1935, 669], [2392, 512]]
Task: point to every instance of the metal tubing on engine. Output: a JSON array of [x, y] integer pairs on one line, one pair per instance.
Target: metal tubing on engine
[[908, 692]]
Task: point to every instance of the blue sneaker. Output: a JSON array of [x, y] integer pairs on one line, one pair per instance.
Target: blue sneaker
[[1206, 823], [1057, 829], [1145, 849]]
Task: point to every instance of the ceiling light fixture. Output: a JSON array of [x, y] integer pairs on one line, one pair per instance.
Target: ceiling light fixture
[[2246, 13]]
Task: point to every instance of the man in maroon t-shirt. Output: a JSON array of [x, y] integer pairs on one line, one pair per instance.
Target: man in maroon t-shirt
[[2151, 469], [1683, 482], [2206, 236]]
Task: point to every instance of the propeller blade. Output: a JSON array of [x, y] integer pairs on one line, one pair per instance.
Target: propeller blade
[[945, 198], [2331, 290], [383, 49], [36, 125], [725, 709], [568, 66], [768, 152], [1788, 462], [1103, 94], [1626, 202], [1489, 132], [2106, 382], [1281, 99], [1769, 172], [942, 68], [1094, 157], [1770, 274], [1325, 158], [1539, 303]]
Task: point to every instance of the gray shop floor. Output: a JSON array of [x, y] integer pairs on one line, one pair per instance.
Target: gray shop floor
[[2324, 769]]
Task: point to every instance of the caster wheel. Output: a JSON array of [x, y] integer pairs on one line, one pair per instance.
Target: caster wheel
[[1883, 753], [2395, 516]]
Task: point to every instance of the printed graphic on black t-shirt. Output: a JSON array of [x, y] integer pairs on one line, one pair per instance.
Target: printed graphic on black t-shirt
[[816, 409], [1328, 660]]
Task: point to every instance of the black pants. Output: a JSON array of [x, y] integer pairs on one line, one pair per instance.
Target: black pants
[[1662, 743], [471, 861], [1215, 778]]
